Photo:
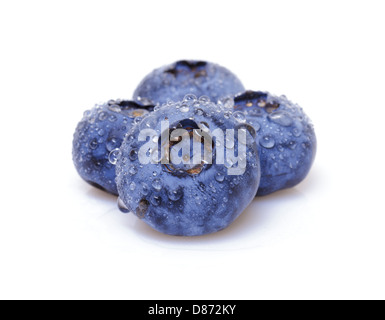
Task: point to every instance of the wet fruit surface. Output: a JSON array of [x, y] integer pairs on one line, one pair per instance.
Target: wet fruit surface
[[192, 197], [98, 135], [174, 81], [285, 135]]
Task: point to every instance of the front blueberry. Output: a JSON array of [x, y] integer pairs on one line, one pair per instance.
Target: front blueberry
[[188, 168], [285, 137], [100, 132], [183, 77]]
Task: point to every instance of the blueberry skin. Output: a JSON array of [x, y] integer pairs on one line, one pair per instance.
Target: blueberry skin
[[102, 130], [184, 77], [186, 201], [285, 137]]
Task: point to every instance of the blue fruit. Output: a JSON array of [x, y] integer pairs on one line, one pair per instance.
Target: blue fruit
[[189, 198], [100, 132], [183, 77], [285, 137]]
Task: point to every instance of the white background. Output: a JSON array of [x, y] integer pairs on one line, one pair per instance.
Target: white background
[[60, 238]]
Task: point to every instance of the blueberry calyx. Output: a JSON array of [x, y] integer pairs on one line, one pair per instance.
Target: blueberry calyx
[[260, 99], [193, 66]]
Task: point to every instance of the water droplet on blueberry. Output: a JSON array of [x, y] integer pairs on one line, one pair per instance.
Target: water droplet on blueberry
[[145, 189], [132, 170], [175, 195], [189, 98], [157, 184], [93, 144], [239, 116], [199, 111], [122, 207], [184, 108], [219, 177], [113, 156], [132, 186], [282, 118], [114, 108], [267, 142], [133, 154], [156, 200], [112, 118], [204, 99]]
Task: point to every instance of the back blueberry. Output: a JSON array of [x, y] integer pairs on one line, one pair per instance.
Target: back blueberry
[[183, 77], [102, 130], [285, 137]]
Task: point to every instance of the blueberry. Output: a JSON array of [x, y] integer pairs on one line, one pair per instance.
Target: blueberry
[[183, 77], [165, 176], [99, 133], [285, 136]]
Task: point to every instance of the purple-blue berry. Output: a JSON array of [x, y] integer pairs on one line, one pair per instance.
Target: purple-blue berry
[[189, 198], [285, 138], [174, 81], [98, 134]]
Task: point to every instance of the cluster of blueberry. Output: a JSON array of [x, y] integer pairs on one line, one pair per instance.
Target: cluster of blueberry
[[149, 150]]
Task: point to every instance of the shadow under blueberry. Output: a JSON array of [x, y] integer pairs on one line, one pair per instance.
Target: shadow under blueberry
[[255, 217], [101, 195]]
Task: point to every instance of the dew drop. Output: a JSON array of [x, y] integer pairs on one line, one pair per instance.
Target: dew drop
[[145, 189], [113, 156], [112, 143], [239, 116], [137, 120], [202, 187], [189, 98], [122, 207], [114, 108], [133, 154], [184, 108], [292, 145], [199, 112], [102, 116], [92, 119], [112, 118], [228, 102], [148, 123], [93, 144], [267, 142], [219, 177], [156, 200], [227, 114], [132, 186], [132, 170], [282, 118], [101, 132], [204, 99], [157, 184], [296, 132], [176, 194]]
